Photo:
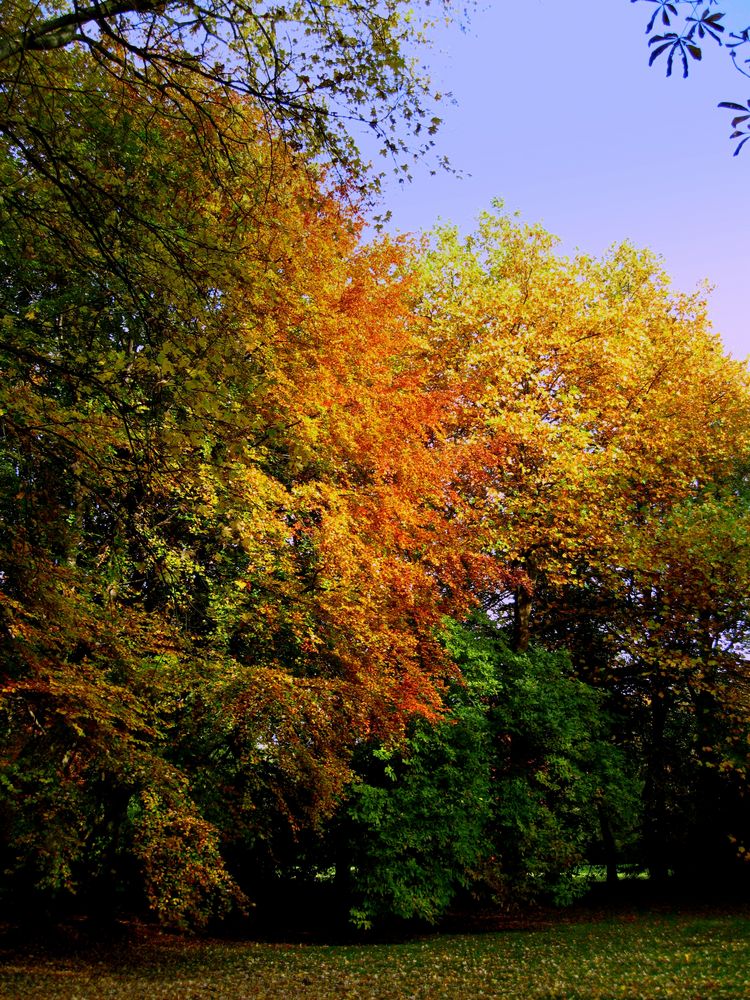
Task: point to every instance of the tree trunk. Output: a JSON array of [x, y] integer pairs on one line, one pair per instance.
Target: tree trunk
[[610, 847], [521, 620], [522, 601], [656, 834]]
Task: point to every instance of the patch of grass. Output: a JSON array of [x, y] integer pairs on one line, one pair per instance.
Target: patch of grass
[[641, 957], [598, 873]]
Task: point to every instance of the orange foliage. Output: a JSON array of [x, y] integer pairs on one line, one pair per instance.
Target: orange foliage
[[223, 478]]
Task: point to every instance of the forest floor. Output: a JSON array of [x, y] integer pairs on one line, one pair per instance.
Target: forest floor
[[639, 955]]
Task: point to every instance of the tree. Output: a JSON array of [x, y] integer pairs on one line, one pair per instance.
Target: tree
[[504, 797], [665, 632], [602, 431], [565, 419], [217, 572], [693, 22], [565, 415], [312, 69]]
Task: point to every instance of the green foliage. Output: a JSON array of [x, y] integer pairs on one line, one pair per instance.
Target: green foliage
[[504, 795], [415, 824], [555, 769]]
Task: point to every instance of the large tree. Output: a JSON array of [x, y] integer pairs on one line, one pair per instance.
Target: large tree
[[223, 557], [565, 376], [605, 437]]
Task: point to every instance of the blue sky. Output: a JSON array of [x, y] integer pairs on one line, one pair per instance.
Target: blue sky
[[558, 114]]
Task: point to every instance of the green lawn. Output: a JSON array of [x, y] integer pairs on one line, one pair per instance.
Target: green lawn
[[689, 957]]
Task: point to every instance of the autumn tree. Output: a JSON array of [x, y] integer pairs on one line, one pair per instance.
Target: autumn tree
[[564, 375], [224, 555], [601, 427]]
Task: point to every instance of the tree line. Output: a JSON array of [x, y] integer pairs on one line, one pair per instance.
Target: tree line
[[420, 566]]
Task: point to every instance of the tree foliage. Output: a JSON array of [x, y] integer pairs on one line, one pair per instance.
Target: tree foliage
[[237, 509], [567, 375], [504, 797], [607, 435], [198, 536], [316, 72], [248, 465], [692, 24]]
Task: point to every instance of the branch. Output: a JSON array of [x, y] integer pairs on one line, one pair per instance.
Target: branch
[[60, 31]]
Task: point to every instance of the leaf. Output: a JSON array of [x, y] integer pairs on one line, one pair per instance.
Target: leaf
[[658, 51]]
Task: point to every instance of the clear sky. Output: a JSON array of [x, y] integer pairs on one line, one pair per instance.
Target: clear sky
[[558, 114]]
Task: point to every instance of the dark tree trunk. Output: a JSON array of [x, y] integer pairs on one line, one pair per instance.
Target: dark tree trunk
[[610, 847], [656, 833], [522, 601], [521, 620]]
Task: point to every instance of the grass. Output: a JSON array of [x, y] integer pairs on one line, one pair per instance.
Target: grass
[[632, 957]]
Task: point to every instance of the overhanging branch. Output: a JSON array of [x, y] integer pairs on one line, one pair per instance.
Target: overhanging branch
[[58, 32]]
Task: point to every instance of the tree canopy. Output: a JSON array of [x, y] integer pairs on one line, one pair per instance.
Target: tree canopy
[[191, 498]]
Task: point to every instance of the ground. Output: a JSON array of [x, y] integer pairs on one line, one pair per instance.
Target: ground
[[654, 955]]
